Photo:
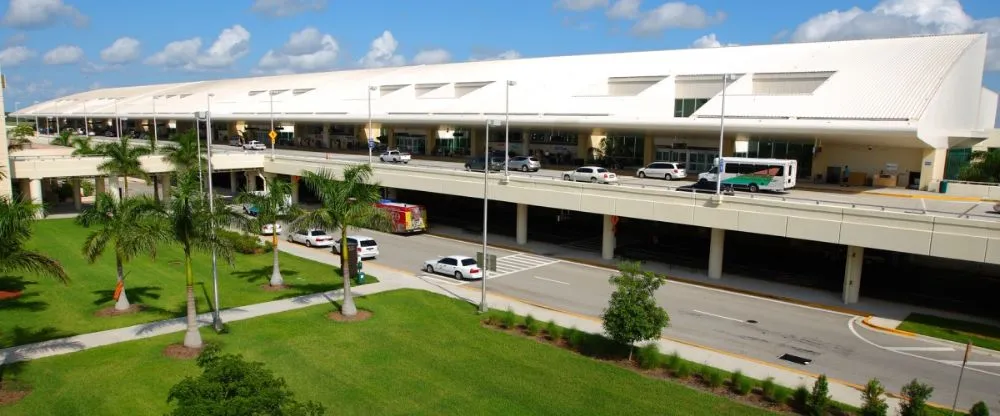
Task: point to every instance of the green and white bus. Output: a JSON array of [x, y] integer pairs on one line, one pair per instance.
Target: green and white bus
[[754, 174]]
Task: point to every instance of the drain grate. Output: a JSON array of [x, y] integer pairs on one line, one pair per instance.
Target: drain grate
[[751, 321], [795, 359]]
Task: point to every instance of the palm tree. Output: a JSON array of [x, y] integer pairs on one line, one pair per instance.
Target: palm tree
[[65, 139], [346, 202], [18, 138], [16, 218], [123, 160], [83, 146], [271, 206], [984, 166], [134, 225], [194, 228], [184, 155]]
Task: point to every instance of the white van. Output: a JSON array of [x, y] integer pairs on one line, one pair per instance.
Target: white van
[[754, 174]]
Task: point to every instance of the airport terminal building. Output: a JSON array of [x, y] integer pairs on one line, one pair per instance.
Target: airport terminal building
[[889, 108]]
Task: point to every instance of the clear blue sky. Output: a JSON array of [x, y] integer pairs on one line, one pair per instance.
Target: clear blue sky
[[54, 47]]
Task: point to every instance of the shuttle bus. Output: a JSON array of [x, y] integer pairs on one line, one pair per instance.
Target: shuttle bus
[[751, 174]]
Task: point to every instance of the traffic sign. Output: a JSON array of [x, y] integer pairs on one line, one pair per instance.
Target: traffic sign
[[273, 135], [371, 144]]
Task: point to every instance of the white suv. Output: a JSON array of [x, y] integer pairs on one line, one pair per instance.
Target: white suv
[[663, 170], [367, 247]]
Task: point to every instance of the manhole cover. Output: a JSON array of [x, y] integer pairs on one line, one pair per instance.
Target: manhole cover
[[795, 359]]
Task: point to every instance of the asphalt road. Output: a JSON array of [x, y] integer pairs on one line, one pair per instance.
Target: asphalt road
[[838, 344]]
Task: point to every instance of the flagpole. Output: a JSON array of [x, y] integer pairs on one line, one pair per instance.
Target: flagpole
[[968, 350]]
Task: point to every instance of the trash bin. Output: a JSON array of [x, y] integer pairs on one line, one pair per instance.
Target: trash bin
[[361, 277], [943, 187]]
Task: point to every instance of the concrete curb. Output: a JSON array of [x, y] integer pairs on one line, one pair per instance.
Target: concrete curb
[[898, 195], [867, 322]]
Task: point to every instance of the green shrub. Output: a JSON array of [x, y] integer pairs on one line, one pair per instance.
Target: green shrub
[[87, 187], [532, 327], [528, 320], [781, 395], [767, 388], [735, 379], [916, 396], [800, 397], [716, 379], [979, 409], [819, 398], [508, 320], [575, 337], [872, 402], [745, 386], [649, 357], [705, 372], [674, 361], [555, 332], [492, 318], [245, 243], [683, 370]]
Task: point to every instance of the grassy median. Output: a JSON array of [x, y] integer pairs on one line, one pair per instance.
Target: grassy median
[[981, 335], [47, 309], [420, 354]]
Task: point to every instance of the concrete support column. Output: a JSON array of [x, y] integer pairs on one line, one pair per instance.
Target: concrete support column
[[391, 194], [648, 149], [99, 185], [522, 224], [77, 204], [326, 135], [295, 189], [35, 193], [525, 144], [251, 180], [852, 274], [607, 238], [115, 185], [715, 253], [234, 182], [165, 188]]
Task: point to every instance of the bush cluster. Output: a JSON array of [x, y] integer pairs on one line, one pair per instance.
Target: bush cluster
[[245, 243]]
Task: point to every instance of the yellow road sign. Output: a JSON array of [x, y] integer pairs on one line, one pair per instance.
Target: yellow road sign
[[273, 135]]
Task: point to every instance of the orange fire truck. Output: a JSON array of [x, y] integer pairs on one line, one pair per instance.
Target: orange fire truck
[[406, 218]]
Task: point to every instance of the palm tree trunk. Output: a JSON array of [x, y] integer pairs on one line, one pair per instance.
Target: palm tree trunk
[[122, 303], [192, 338], [347, 308], [125, 186], [276, 279]]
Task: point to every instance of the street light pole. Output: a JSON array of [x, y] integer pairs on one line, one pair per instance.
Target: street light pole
[[17, 118], [370, 139], [197, 140], [722, 135], [86, 120], [217, 317], [155, 131], [506, 133], [58, 130], [118, 121], [270, 94], [486, 203]]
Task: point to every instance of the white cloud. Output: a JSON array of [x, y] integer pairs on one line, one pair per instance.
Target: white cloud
[[675, 15], [624, 9], [63, 54], [232, 44], [383, 52], [431, 57], [123, 50], [15, 55], [39, 13], [581, 5], [709, 41], [893, 18], [508, 54], [306, 50], [284, 8]]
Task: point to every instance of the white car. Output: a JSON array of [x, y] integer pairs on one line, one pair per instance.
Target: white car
[[592, 174], [395, 156], [663, 170], [269, 229], [461, 267], [311, 238], [367, 247], [254, 145]]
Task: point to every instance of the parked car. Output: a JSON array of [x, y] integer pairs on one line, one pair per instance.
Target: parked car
[[311, 238], [592, 174], [367, 247], [254, 145], [479, 163], [270, 229], [395, 156], [461, 267], [524, 164], [663, 170], [235, 141]]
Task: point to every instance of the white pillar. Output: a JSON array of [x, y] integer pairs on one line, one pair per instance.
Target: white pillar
[[165, 186], [251, 180], [234, 181], [326, 135], [715, 253], [522, 224], [607, 239], [99, 186], [114, 184], [76, 194], [35, 192], [295, 191], [852, 274]]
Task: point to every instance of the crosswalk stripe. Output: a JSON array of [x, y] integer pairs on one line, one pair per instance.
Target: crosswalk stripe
[[518, 263]]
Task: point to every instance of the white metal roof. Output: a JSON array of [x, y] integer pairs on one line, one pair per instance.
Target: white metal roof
[[884, 80]]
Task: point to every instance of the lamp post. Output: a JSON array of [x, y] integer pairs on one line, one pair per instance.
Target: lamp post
[[722, 135], [216, 316], [270, 94], [36, 118], [486, 203], [118, 121], [58, 130], [86, 120], [371, 140], [155, 131], [506, 133], [17, 117]]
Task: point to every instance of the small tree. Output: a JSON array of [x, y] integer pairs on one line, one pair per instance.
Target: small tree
[[819, 399], [873, 404], [19, 137], [232, 386], [979, 409], [916, 395], [632, 314]]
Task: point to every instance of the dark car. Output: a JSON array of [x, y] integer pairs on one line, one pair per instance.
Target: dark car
[[478, 164]]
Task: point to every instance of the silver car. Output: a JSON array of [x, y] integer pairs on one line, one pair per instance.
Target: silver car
[[524, 164]]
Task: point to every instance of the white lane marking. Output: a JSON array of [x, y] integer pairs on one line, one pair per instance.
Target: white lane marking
[[975, 363], [921, 348], [551, 280], [850, 326], [717, 316], [450, 282]]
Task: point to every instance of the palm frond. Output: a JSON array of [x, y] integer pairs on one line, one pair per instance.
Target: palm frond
[[21, 260]]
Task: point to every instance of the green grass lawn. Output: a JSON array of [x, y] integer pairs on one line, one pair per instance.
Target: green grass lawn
[[420, 354], [981, 335], [48, 309]]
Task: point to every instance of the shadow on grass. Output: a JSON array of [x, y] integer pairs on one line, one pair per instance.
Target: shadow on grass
[[261, 274], [24, 302], [21, 343], [295, 291], [15, 283], [137, 294]]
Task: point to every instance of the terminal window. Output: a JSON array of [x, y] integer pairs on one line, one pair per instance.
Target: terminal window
[[685, 107]]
